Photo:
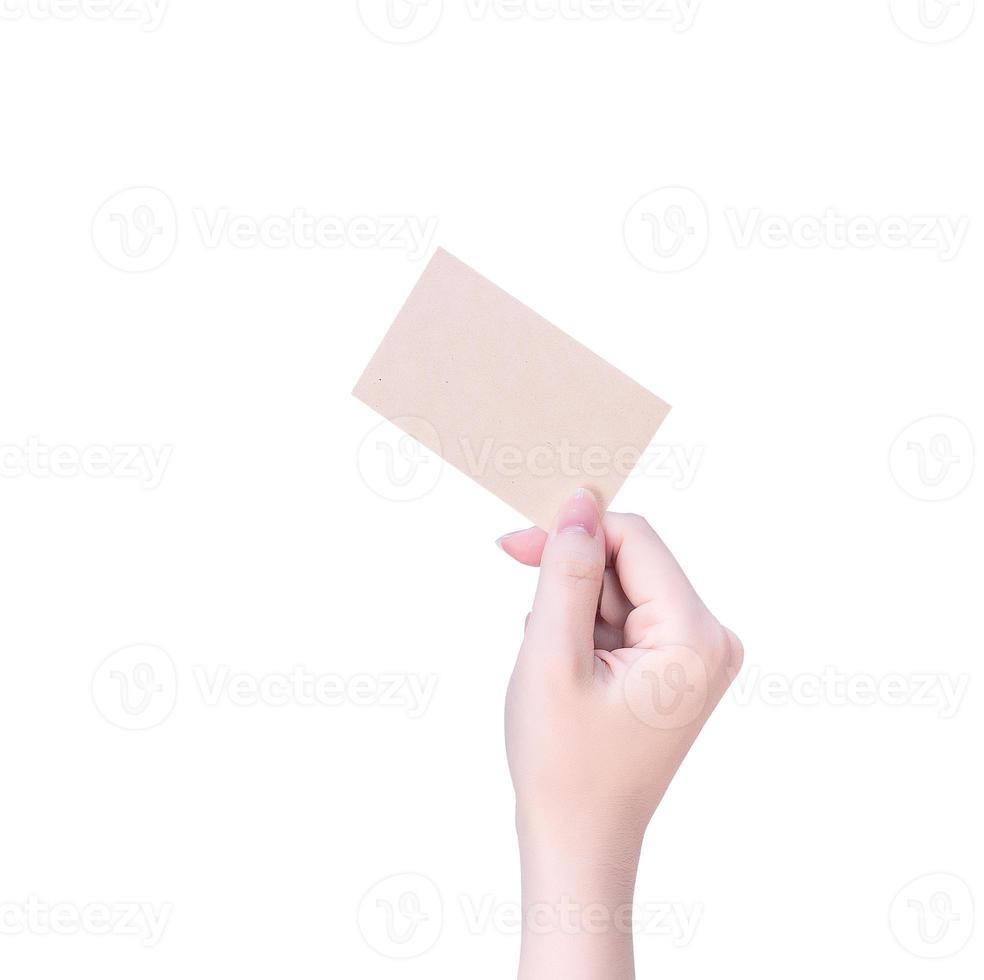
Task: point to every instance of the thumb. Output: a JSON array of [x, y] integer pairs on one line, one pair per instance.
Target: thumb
[[571, 572]]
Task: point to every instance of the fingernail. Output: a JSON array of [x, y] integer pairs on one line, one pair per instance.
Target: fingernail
[[580, 513], [505, 537]]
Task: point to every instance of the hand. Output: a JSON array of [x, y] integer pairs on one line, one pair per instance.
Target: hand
[[620, 667]]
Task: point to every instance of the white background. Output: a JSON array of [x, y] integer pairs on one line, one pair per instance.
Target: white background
[[259, 827]]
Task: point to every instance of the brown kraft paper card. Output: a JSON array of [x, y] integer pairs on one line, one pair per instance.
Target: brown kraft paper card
[[505, 396]]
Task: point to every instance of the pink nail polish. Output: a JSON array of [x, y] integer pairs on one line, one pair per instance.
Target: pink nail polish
[[506, 537], [579, 513]]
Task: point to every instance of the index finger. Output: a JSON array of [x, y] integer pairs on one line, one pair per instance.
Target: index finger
[[646, 568]]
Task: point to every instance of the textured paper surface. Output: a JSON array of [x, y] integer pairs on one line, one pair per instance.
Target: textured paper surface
[[505, 396]]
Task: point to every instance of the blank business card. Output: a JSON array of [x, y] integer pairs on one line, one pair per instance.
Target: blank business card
[[505, 396]]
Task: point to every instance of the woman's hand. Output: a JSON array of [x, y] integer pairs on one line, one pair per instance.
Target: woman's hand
[[620, 667]]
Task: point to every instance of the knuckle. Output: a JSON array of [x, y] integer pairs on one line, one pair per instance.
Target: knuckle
[[732, 652], [578, 570], [635, 523]]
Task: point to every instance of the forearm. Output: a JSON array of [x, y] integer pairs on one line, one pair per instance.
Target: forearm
[[591, 743], [577, 911]]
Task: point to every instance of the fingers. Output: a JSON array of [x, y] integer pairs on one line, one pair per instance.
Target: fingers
[[642, 575], [607, 637], [572, 566], [646, 569], [525, 546], [614, 607]]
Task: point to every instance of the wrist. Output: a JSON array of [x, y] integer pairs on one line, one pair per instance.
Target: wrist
[[578, 883], [554, 872], [605, 838]]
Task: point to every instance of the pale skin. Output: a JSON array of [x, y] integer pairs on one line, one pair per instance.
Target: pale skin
[[620, 666]]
